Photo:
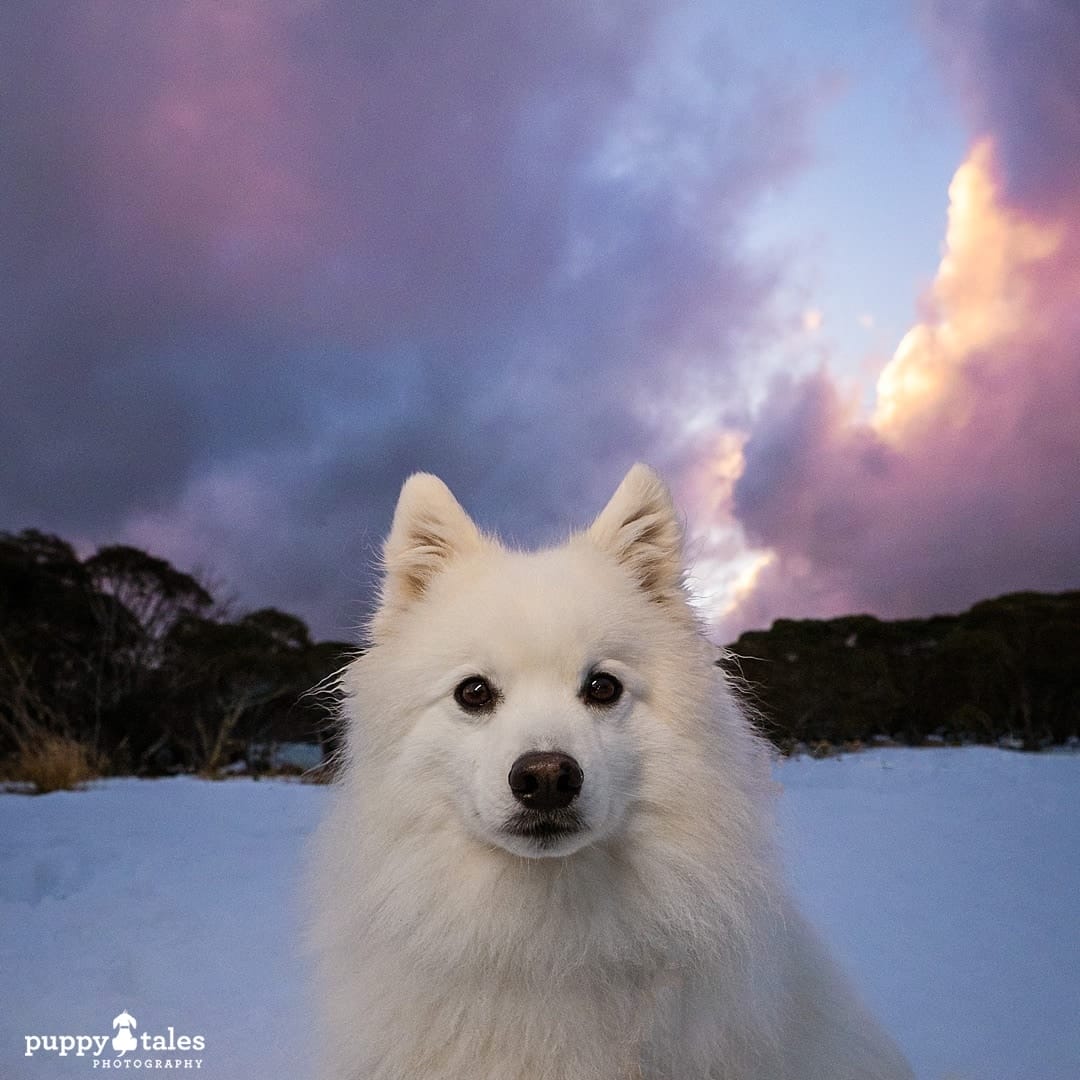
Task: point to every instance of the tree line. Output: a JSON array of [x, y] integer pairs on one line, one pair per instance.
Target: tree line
[[1006, 671], [136, 662]]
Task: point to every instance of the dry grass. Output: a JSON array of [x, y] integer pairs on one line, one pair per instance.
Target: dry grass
[[52, 763]]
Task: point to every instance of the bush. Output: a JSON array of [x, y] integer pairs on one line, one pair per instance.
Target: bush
[[52, 763]]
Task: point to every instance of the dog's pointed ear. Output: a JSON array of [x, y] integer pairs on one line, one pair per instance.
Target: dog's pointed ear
[[640, 527], [429, 530]]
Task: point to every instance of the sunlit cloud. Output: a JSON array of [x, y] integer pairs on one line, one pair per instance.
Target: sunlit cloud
[[746, 583], [981, 295], [960, 482]]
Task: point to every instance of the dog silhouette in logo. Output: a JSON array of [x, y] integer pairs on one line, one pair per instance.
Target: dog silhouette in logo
[[123, 1040]]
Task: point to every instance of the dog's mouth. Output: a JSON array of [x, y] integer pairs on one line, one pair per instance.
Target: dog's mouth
[[545, 827]]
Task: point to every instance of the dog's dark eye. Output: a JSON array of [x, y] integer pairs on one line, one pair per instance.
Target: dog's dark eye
[[602, 689], [474, 694]]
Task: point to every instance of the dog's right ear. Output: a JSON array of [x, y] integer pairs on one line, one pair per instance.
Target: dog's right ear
[[429, 529]]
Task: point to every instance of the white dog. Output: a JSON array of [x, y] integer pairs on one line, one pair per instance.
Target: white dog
[[549, 853]]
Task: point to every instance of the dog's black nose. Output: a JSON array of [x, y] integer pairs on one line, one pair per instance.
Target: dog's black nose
[[543, 780]]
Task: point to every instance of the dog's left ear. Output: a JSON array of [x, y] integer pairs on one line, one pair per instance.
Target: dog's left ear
[[640, 527]]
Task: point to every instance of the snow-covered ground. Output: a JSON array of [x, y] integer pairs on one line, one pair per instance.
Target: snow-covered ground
[[948, 880]]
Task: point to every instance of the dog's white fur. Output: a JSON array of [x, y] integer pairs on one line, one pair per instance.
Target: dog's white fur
[[658, 942]]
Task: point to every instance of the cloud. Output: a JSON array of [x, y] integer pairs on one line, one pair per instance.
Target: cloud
[[962, 483], [264, 259], [1017, 69]]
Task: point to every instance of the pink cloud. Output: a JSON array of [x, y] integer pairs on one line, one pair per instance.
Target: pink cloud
[[964, 481]]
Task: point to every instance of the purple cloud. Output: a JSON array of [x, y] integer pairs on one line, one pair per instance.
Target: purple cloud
[[264, 260]]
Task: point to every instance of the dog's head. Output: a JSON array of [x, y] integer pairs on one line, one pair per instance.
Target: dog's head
[[533, 699]]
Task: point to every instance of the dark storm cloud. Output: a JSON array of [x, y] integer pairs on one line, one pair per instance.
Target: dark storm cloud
[[1017, 66], [263, 260]]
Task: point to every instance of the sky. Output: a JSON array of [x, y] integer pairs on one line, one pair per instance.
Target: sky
[[819, 264]]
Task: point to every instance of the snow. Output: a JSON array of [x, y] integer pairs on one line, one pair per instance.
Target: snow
[[947, 880]]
